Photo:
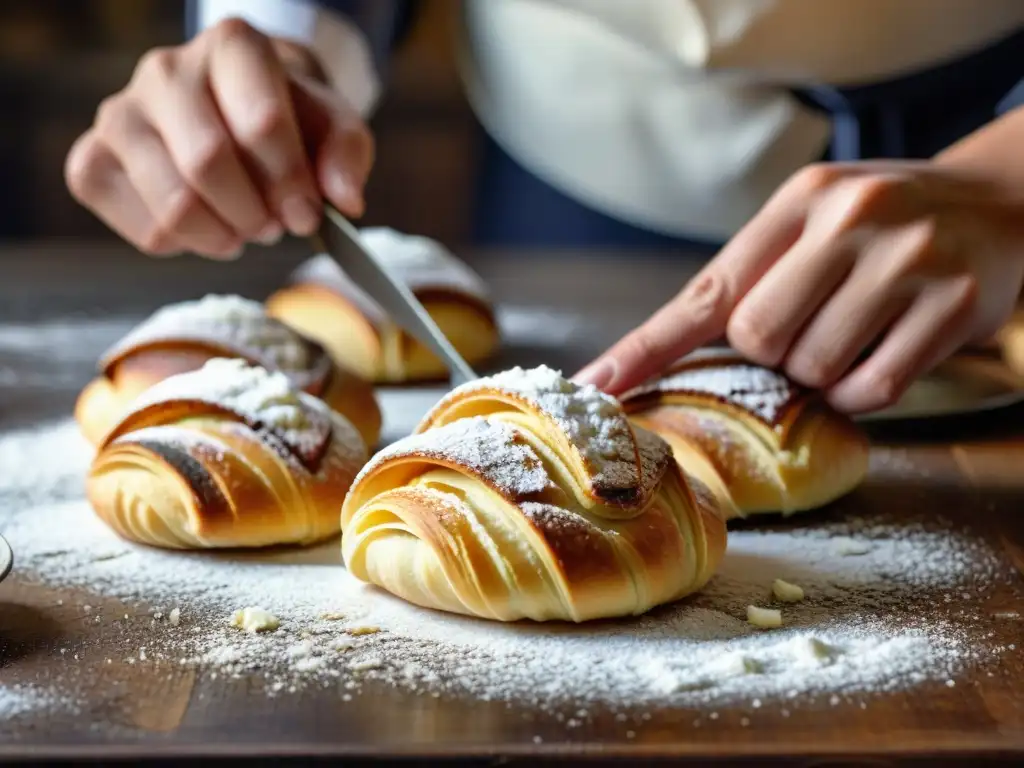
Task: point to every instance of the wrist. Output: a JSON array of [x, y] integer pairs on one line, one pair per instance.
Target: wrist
[[990, 156]]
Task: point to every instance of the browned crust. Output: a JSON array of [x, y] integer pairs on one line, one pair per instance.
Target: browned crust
[[657, 392], [171, 411], [206, 493]]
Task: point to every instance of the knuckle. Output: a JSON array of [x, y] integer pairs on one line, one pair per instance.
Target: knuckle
[[155, 240], [869, 194], [110, 114], [178, 209], [204, 157], [265, 124], [83, 166], [884, 388], [812, 369], [750, 335], [236, 29], [157, 65], [816, 177]]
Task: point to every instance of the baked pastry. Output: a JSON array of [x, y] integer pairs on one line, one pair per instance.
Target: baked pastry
[[230, 455], [1011, 339], [523, 495], [181, 337], [322, 302], [758, 440]]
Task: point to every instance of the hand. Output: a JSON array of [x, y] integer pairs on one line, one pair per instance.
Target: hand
[[230, 138], [910, 260]]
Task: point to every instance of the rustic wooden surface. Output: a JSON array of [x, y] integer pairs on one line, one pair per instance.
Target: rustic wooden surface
[[972, 468]]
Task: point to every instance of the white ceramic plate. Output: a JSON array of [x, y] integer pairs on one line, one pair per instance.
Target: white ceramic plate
[[6, 558], [962, 386]]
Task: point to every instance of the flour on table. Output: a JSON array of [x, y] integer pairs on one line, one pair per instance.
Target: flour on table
[[20, 700], [872, 623]]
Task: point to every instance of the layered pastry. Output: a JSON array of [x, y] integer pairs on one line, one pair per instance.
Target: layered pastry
[[322, 302], [229, 455], [525, 496], [182, 337], [761, 442]]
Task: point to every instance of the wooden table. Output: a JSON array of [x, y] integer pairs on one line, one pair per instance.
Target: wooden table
[[977, 465]]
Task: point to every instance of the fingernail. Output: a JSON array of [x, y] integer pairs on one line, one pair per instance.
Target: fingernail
[[300, 215], [270, 234], [599, 374]]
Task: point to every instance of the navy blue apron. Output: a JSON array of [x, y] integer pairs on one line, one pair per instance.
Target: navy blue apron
[[913, 116]]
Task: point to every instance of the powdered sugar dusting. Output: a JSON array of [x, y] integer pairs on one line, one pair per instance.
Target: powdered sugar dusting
[[492, 450], [760, 391], [592, 421], [265, 399], [238, 322], [20, 700], [910, 611]]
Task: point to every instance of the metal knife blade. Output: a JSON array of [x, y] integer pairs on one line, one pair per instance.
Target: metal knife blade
[[340, 240]]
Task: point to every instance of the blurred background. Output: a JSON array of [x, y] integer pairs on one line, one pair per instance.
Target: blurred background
[[59, 59]]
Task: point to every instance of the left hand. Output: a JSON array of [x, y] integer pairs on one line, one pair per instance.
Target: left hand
[[908, 259]]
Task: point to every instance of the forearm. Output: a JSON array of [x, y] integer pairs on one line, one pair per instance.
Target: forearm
[[994, 153]]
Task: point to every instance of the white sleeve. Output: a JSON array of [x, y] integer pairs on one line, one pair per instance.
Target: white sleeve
[[342, 48]]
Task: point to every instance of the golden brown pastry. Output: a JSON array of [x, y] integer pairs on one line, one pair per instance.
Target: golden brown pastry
[[182, 337], [322, 302], [1011, 339], [230, 455], [759, 441], [523, 495]]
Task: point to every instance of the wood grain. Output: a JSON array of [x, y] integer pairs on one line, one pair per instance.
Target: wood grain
[[975, 476]]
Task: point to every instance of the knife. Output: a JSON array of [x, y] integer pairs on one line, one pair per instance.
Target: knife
[[340, 240]]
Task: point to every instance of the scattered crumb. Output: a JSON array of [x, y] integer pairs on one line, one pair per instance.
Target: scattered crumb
[[174, 617], [848, 547], [254, 620], [764, 618], [786, 592], [359, 631]]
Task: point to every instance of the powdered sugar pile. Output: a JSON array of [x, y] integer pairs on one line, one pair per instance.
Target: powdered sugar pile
[[238, 320], [592, 421], [760, 391], [895, 605], [489, 448]]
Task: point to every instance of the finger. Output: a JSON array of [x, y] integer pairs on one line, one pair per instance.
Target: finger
[[855, 316], [769, 319], [342, 145], [97, 181], [701, 311], [251, 90], [176, 207], [199, 144], [935, 326]]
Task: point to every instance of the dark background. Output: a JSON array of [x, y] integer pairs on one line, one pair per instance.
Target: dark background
[[59, 58]]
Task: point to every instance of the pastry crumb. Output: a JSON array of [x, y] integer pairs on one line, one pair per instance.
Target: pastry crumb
[[332, 616], [359, 631], [255, 620], [174, 617], [847, 547], [786, 592], [764, 618]]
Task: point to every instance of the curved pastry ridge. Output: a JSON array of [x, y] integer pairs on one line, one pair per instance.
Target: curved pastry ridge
[[760, 442], [488, 511], [230, 455], [620, 466]]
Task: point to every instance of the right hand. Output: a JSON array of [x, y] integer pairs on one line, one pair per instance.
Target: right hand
[[233, 137]]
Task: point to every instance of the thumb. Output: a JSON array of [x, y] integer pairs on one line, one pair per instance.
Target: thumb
[[697, 315], [339, 144]]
